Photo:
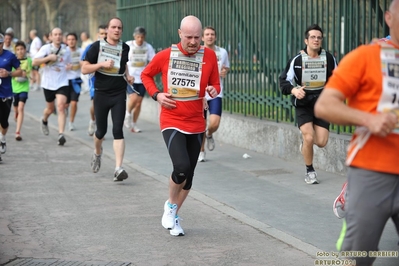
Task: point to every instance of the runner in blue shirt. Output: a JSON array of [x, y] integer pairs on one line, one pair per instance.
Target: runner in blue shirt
[[8, 60]]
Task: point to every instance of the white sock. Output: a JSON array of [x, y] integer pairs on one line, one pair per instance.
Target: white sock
[[127, 114], [2, 137]]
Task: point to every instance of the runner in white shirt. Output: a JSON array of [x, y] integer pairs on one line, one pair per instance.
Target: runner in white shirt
[[214, 105], [75, 81], [140, 54], [35, 46], [54, 81]]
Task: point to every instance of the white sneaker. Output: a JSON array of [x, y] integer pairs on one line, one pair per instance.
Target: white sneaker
[[169, 215], [210, 143], [201, 157], [44, 127], [71, 126], [127, 122], [92, 128], [177, 230], [95, 162], [311, 178], [135, 129]]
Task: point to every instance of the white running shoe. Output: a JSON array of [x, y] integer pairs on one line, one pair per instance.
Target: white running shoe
[[95, 162], [177, 230], [311, 178], [135, 129], [92, 128], [44, 127], [169, 215], [201, 157], [210, 143], [127, 122], [71, 126]]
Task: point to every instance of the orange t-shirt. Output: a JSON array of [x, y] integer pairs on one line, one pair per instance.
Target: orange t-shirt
[[359, 78], [188, 116]]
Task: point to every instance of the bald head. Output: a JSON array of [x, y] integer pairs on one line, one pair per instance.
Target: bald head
[[56, 30], [190, 22], [190, 34], [394, 4], [56, 36]]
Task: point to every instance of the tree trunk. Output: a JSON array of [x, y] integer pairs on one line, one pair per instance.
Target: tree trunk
[[92, 14], [52, 9], [48, 8], [24, 33]]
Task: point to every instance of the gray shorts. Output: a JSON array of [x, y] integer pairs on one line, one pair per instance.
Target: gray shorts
[[372, 198]]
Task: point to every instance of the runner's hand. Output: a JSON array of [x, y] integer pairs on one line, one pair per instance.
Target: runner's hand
[[223, 72], [108, 64], [130, 79], [52, 57], [164, 99], [3, 73], [299, 92], [382, 124], [212, 91]]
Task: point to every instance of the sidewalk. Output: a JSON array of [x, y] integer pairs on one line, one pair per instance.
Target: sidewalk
[[255, 211]]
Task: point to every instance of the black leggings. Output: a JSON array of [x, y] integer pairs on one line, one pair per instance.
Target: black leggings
[[103, 103], [5, 109], [183, 150]]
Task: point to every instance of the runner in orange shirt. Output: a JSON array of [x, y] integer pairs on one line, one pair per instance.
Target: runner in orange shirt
[[368, 78]]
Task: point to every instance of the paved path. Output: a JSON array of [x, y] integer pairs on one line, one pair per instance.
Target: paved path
[[255, 211]]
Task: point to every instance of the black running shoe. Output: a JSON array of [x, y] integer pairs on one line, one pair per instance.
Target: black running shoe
[[61, 140]]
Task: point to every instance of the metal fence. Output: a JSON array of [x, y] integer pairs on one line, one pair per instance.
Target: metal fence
[[260, 37]]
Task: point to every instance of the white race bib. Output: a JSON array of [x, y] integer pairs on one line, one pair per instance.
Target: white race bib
[[389, 99], [314, 71], [184, 74], [110, 52]]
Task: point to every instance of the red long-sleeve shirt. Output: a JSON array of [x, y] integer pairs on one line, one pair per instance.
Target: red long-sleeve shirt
[[188, 116]]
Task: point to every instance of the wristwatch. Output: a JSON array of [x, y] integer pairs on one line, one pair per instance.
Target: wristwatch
[[9, 74], [155, 95]]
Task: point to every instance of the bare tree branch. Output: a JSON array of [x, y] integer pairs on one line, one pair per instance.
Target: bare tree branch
[[14, 4]]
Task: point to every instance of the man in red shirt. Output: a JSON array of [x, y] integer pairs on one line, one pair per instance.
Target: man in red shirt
[[188, 71]]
